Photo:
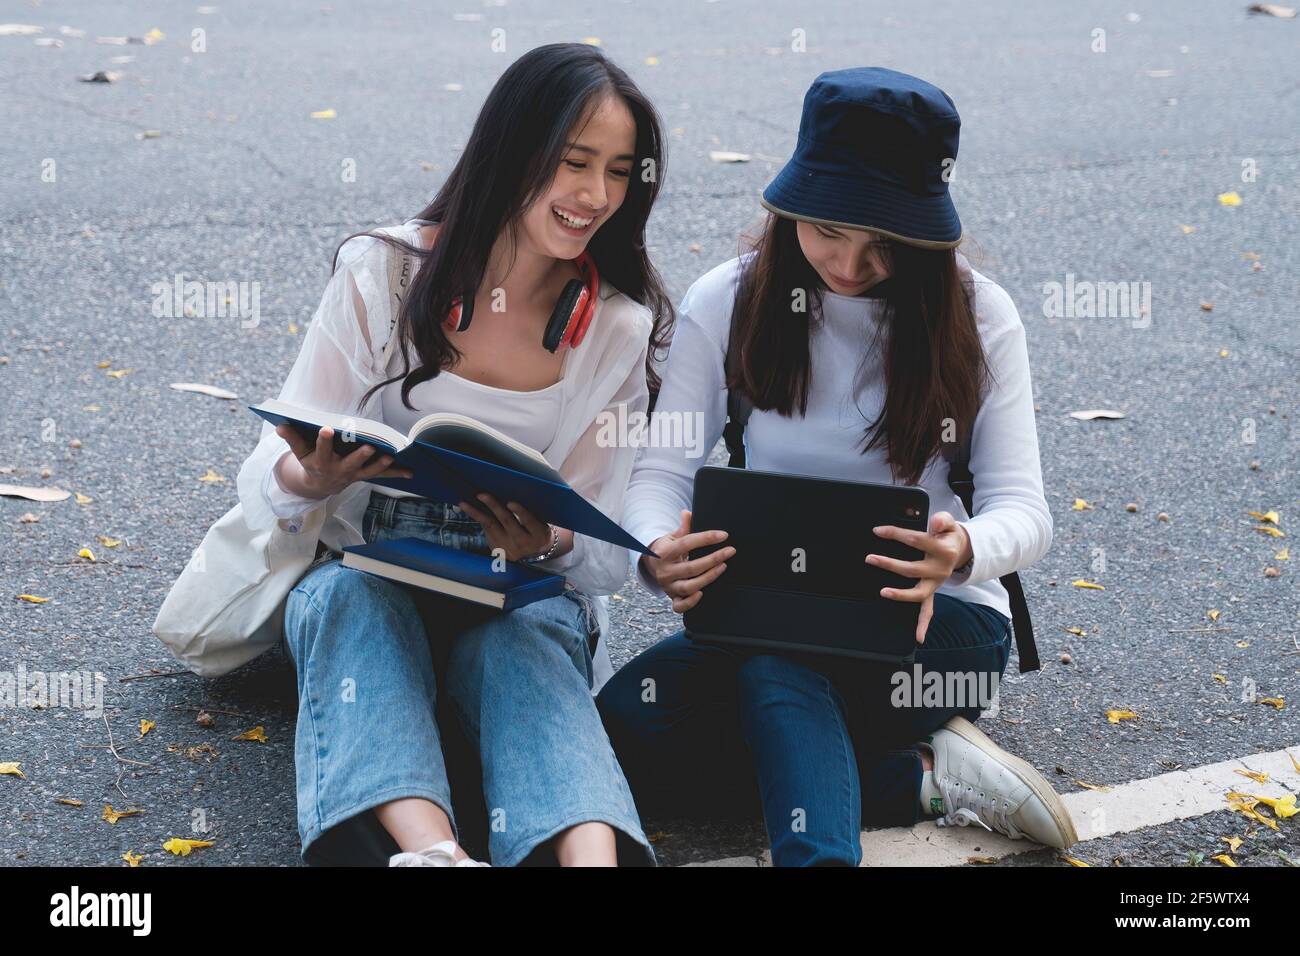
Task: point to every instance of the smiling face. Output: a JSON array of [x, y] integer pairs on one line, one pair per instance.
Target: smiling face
[[589, 186], [849, 261]]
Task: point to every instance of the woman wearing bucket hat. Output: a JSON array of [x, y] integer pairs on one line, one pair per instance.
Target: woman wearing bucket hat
[[861, 338]]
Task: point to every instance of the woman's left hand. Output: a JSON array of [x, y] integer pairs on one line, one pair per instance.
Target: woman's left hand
[[511, 527], [946, 547]]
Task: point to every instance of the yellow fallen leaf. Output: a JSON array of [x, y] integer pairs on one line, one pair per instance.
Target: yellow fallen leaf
[[1226, 860], [104, 364], [1245, 804], [90, 408], [183, 847], [652, 61], [1295, 763], [1115, 716], [1270, 516], [1234, 843], [1087, 584], [11, 770], [32, 598], [1099, 787], [1077, 631], [1081, 505], [1270, 531], [293, 328], [1275, 702], [132, 859], [591, 41], [1074, 861], [112, 816], [981, 859], [1253, 775], [211, 477], [87, 554], [1283, 555], [69, 801], [324, 114], [1212, 614], [1282, 807], [1243, 644], [1224, 353], [84, 499], [1222, 679], [118, 373], [1229, 199], [1187, 230], [257, 733], [154, 35], [146, 726], [107, 542]]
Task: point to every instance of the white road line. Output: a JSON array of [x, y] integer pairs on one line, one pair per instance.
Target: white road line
[[1179, 795]]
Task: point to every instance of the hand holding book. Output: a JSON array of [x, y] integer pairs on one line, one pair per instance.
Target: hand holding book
[[322, 472], [444, 456], [514, 529]]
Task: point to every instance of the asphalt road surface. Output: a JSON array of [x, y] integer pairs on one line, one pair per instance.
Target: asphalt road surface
[[1106, 166]]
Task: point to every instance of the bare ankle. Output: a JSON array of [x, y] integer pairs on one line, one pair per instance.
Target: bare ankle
[[927, 757], [416, 824]]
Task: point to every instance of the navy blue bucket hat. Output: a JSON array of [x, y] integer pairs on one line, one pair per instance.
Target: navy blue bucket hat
[[875, 151]]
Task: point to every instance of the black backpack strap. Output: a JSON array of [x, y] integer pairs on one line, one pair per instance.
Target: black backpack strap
[[962, 483], [733, 433]]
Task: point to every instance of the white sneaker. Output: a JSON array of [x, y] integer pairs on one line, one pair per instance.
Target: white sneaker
[[440, 854], [982, 783]]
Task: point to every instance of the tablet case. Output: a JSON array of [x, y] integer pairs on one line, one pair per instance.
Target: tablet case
[[960, 480], [798, 580]]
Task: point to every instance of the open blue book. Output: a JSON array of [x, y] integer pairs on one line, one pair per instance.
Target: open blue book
[[454, 458], [460, 574]]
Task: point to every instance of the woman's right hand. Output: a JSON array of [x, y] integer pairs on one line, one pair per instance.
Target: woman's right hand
[[682, 579], [319, 472]]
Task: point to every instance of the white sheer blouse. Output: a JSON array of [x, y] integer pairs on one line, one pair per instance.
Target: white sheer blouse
[[340, 359]]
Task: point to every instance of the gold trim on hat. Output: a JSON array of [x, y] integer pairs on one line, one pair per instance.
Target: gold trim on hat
[[923, 243]]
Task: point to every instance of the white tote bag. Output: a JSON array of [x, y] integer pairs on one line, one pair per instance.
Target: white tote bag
[[227, 606]]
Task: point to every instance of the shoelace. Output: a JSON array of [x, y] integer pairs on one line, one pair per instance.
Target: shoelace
[[962, 797]]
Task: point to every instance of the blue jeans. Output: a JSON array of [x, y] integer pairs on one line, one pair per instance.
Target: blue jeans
[[823, 737], [388, 674]]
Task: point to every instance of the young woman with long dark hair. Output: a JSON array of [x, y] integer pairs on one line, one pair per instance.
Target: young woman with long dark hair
[[861, 337], [554, 184]]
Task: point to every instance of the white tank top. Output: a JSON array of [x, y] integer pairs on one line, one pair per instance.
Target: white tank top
[[529, 417]]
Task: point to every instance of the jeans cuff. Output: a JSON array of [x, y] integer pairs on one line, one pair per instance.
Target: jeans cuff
[[627, 829], [441, 799], [891, 788]]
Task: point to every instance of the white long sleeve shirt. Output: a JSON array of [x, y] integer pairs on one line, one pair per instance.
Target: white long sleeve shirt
[[1012, 527], [341, 358]]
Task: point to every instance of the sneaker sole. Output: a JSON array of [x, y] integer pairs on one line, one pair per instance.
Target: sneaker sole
[[1032, 778]]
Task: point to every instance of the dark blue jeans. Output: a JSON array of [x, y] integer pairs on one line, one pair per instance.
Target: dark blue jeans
[[829, 740]]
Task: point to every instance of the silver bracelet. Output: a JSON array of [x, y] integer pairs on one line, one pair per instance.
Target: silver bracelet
[[545, 555]]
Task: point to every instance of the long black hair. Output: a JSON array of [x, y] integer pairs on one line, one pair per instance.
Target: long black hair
[[934, 362], [518, 143]]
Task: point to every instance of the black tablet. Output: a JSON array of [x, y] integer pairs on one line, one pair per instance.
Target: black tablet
[[798, 580]]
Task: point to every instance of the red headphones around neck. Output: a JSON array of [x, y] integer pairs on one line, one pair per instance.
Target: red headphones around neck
[[570, 318]]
